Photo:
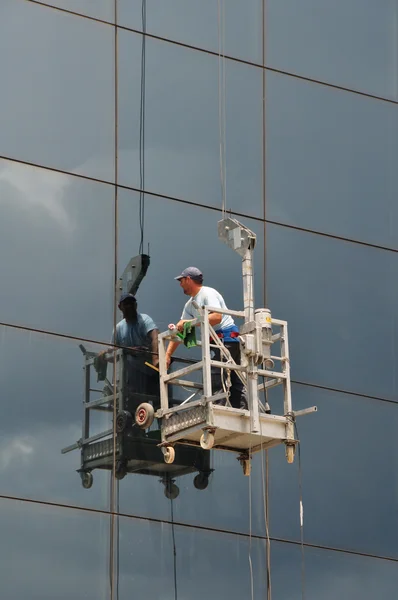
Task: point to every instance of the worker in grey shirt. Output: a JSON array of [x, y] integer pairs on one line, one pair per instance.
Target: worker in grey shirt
[[191, 282]]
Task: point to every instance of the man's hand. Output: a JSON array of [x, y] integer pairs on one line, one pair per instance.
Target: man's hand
[[180, 325], [155, 361]]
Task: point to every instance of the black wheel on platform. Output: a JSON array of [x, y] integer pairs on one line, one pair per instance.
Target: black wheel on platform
[[144, 415], [124, 420], [171, 491], [87, 480], [201, 481], [120, 471]]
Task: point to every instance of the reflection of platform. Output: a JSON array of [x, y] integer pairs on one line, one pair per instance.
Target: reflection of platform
[[137, 451], [140, 454]]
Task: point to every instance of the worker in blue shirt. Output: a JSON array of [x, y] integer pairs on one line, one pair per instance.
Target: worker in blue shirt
[[138, 333], [191, 282]]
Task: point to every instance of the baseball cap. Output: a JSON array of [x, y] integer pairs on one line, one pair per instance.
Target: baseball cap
[[191, 272], [124, 297]]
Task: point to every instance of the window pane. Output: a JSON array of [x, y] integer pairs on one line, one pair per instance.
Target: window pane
[[194, 554], [181, 235], [59, 274], [197, 24], [49, 552], [99, 9], [331, 161], [340, 301], [57, 100], [182, 143], [330, 575], [345, 42], [43, 386], [349, 471]]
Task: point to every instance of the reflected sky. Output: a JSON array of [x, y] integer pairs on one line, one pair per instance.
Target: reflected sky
[[197, 23], [339, 151], [182, 144], [59, 274], [57, 101], [349, 471], [330, 575], [100, 9], [346, 42], [340, 301]]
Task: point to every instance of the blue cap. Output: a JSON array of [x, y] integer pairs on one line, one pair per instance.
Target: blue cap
[[124, 297], [191, 272]]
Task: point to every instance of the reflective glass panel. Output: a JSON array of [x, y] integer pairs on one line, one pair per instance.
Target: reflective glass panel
[[331, 161], [57, 100], [198, 24], [50, 552], [43, 387], [330, 575], [349, 471], [57, 244], [187, 560], [181, 123], [346, 42], [99, 9], [181, 235], [340, 300]]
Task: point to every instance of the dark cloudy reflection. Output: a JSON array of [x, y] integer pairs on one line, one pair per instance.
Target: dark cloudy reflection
[[340, 301], [100, 9], [330, 575], [352, 44], [41, 381], [341, 160], [57, 100], [197, 24], [57, 233], [349, 471], [182, 143], [53, 552]]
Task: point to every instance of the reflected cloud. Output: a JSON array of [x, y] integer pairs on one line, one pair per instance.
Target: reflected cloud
[[16, 451], [37, 191]]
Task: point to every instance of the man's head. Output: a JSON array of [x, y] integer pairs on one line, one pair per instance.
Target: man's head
[[191, 280], [128, 306]]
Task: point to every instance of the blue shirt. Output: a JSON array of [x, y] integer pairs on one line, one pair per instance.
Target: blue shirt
[[134, 333], [208, 296]]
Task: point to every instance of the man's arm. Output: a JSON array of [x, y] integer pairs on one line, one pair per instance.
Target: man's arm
[[154, 346], [171, 348]]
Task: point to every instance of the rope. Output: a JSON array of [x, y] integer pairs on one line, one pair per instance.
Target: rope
[[142, 128], [174, 550], [301, 515], [250, 526], [221, 102], [264, 480]]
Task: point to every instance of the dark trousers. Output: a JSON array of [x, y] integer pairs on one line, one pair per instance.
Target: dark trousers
[[237, 390]]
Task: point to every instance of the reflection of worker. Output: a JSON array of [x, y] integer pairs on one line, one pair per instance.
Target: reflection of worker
[[191, 281], [139, 333]]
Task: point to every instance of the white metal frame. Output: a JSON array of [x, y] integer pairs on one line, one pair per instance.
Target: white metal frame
[[205, 422]]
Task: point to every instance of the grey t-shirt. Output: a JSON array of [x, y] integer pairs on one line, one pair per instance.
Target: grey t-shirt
[[207, 296]]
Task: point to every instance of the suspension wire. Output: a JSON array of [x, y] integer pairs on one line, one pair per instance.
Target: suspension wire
[[116, 244], [142, 127], [250, 524], [117, 557], [174, 549], [265, 488], [221, 102], [300, 478]]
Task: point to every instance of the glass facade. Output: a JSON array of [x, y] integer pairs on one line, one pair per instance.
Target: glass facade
[[110, 148]]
